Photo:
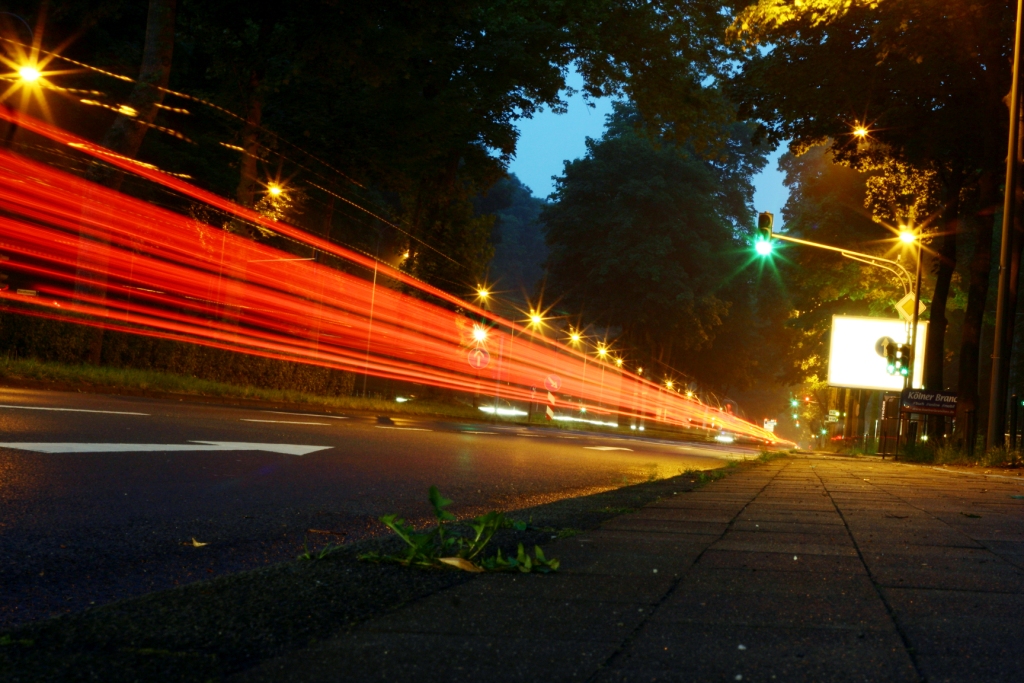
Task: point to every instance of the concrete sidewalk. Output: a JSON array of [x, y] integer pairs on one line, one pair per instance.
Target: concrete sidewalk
[[808, 568]]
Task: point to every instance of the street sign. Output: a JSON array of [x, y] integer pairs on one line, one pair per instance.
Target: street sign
[[905, 307], [552, 382], [928, 402], [832, 418], [833, 413], [478, 358]]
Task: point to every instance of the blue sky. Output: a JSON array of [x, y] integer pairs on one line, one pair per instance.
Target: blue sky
[[548, 139]]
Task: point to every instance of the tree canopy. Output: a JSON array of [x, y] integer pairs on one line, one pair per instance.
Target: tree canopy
[[649, 240]]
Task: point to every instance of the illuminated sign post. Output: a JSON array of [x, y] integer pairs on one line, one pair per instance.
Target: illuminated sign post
[[857, 353]]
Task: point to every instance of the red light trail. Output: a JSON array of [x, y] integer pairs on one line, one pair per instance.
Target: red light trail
[[101, 258]]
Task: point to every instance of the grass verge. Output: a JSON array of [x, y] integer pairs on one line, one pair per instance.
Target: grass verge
[[148, 382]]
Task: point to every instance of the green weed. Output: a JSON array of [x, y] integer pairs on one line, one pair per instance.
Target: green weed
[[321, 554], [446, 544]]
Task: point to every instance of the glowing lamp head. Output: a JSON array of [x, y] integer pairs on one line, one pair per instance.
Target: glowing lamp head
[[668, 384], [602, 351], [482, 293], [860, 132], [618, 362], [405, 254], [479, 334], [536, 319], [640, 371], [275, 190], [29, 74], [763, 247], [907, 236], [575, 337]]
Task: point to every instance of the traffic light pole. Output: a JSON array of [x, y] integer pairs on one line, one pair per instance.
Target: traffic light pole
[[887, 264], [995, 434], [892, 266]]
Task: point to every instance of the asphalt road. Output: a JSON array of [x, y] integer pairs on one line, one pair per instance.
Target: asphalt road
[[81, 528]]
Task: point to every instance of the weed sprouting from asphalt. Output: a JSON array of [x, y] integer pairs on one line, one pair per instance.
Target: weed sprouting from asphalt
[[446, 546]]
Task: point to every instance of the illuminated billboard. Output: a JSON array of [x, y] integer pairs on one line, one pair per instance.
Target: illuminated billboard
[[857, 359]]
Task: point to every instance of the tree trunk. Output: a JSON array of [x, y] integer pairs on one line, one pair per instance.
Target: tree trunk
[[125, 138], [935, 344], [245, 194], [977, 295], [127, 132], [1015, 253]]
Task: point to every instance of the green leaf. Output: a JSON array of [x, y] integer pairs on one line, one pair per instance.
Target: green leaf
[[439, 502]]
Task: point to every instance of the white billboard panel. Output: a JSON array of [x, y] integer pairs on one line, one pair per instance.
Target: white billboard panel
[[856, 360]]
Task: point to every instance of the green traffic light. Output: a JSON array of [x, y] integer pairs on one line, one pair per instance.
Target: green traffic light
[[763, 247], [795, 403]]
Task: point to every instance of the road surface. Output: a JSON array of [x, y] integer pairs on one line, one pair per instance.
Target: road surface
[[86, 519]]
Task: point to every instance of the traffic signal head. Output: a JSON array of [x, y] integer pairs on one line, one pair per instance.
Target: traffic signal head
[[890, 357], [904, 354], [763, 239]]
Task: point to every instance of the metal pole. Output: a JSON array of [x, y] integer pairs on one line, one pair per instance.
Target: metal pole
[[913, 324], [1013, 422], [997, 385]]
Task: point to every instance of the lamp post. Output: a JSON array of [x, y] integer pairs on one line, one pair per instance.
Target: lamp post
[[909, 237], [999, 380]]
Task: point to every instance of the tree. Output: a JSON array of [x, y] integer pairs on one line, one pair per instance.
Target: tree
[[927, 80], [518, 237], [649, 238]]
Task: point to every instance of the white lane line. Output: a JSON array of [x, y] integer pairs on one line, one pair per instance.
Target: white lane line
[[323, 417], [286, 448], [469, 432], [288, 422], [74, 410], [568, 437], [530, 435], [607, 448], [404, 429]]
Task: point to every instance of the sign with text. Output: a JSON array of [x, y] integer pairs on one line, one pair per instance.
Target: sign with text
[[930, 402], [857, 356]]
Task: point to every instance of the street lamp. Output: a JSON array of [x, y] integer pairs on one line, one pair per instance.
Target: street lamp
[[479, 334], [29, 74], [860, 132]]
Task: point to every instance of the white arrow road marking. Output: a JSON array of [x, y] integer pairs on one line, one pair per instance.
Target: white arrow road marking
[[74, 410], [322, 417], [286, 448], [288, 422], [404, 429], [607, 448]]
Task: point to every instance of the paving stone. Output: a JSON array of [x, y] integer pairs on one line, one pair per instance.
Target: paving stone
[[698, 652], [736, 559], [647, 589], [448, 613], [790, 609], [389, 657]]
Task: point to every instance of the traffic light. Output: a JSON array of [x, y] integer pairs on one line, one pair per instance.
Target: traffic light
[[763, 240], [890, 356], [904, 355]]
